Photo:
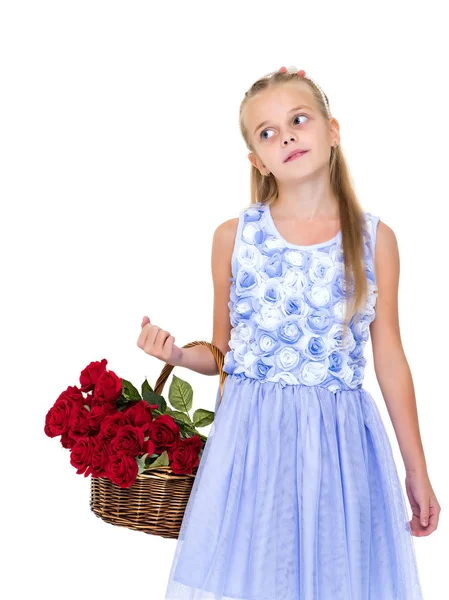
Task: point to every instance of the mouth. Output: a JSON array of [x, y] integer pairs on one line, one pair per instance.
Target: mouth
[[296, 154]]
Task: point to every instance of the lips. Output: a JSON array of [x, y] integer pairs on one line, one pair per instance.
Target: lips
[[295, 153]]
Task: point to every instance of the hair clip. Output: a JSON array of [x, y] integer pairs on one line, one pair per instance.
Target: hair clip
[[293, 69]]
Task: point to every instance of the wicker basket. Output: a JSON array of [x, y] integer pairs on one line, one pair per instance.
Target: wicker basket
[[156, 501]]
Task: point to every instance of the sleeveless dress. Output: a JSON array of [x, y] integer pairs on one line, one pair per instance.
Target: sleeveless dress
[[297, 495]]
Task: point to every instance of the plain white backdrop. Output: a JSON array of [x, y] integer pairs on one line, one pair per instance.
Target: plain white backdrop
[[120, 155]]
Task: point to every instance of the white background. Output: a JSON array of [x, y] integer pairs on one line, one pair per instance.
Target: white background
[[120, 155]]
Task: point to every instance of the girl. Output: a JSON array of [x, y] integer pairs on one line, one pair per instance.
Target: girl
[[297, 496]]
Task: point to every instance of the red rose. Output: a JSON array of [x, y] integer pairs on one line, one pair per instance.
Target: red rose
[[184, 457], [100, 456], [80, 456], [57, 419], [129, 440], [122, 470], [149, 447], [107, 389], [164, 433], [111, 424], [89, 376], [67, 441], [98, 414], [139, 414], [79, 423], [73, 393]]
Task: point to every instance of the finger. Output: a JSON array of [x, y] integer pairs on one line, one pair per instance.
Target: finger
[[426, 512], [169, 343], [146, 337], [434, 514], [417, 529], [159, 342], [141, 340], [422, 530], [151, 332], [424, 516]]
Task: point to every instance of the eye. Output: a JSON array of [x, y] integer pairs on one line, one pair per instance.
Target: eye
[[265, 130], [300, 116]]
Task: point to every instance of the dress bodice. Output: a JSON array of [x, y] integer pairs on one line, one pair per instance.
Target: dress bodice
[[287, 307]]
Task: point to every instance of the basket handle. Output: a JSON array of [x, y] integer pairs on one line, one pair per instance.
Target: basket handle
[[219, 359]]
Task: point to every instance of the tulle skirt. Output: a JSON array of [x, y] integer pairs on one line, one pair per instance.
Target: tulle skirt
[[297, 497]]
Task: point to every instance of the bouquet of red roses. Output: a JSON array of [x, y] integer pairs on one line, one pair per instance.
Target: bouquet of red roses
[[112, 431]]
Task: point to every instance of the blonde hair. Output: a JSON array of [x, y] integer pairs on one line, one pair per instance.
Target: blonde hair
[[353, 228]]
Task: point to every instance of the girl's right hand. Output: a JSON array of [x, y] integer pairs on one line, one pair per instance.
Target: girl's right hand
[[159, 343]]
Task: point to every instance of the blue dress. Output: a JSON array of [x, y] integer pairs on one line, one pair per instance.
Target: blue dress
[[297, 496]]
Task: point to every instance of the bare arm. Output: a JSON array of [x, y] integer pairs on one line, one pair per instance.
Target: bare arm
[[390, 363], [199, 358]]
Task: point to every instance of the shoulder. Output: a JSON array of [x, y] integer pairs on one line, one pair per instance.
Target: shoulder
[[386, 237], [223, 247], [381, 233], [224, 234], [227, 231], [386, 253]]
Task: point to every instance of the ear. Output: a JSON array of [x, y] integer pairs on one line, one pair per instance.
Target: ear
[[334, 129], [257, 163]]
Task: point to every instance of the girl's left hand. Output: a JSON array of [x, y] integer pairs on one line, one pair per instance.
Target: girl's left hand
[[425, 506]]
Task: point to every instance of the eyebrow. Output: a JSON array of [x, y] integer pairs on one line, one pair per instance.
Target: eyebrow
[[290, 111]]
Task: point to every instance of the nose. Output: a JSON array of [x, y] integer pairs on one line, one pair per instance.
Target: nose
[[291, 138]]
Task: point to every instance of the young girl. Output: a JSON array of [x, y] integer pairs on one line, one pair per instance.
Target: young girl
[[297, 496]]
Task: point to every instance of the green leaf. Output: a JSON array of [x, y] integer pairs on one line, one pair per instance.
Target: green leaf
[[86, 407], [152, 398], [146, 387], [122, 402], [161, 461], [179, 416], [141, 463], [180, 394], [203, 417], [186, 428], [129, 391]]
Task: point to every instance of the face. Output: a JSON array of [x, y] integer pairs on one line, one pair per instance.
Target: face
[[285, 118]]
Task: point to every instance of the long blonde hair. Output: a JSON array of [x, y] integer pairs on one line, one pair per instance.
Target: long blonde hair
[[264, 189]]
